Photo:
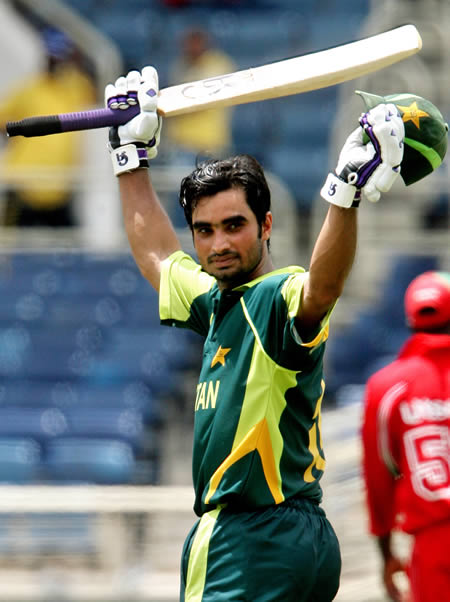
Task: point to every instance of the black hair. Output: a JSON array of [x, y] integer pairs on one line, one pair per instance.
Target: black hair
[[216, 175]]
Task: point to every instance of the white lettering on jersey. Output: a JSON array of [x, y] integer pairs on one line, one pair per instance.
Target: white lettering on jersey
[[419, 410], [207, 393], [428, 454]]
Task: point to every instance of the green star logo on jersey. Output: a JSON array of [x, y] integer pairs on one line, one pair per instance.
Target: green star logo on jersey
[[219, 358], [412, 113]]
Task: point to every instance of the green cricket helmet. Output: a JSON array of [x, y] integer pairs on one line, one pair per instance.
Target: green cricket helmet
[[426, 133]]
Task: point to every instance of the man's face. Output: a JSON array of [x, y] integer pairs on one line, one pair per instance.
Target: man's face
[[228, 240]]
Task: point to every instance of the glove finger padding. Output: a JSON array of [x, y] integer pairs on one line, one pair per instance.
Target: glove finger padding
[[121, 93], [144, 130], [143, 127], [147, 124], [133, 83], [152, 148], [353, 155], [110, 97], [388, 128], [148, 89], [382, 181], [370, 167]]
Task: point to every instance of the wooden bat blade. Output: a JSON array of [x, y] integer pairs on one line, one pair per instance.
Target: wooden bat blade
[[293, 76], [283, 78]]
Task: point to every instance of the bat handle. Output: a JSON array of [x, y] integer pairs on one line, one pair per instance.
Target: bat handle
[[70, 122]]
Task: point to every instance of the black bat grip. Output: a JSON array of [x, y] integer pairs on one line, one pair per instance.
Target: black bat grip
[[34, 126], [70, 122]]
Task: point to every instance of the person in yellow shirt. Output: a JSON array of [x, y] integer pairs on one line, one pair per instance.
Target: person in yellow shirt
[[37, 173], [206, 131]]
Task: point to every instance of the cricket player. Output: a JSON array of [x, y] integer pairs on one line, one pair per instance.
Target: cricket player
[[258, 455], [406, 443]]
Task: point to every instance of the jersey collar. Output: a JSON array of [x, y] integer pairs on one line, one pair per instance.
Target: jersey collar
[[291, 269]]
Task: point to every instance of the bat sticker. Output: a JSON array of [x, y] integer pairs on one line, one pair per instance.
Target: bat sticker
[[214, 85]]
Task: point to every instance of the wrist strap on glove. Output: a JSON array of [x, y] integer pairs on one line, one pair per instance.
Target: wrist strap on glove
[[340, 193], [128, 158]]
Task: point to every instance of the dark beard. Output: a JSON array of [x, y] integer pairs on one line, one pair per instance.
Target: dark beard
[[237, 278]]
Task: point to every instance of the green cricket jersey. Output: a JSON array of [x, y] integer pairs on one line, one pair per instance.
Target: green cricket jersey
[[257, 433]]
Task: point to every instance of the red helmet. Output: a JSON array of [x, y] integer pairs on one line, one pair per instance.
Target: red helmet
[[427, 301]]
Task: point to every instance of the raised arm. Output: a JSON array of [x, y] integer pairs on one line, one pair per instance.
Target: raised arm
[[363, 170], [331, 261], [150, 232]]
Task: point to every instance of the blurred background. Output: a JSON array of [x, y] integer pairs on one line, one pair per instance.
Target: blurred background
[[95, 396]]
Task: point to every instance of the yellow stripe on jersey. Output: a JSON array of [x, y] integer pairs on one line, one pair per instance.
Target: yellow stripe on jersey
[[292, 294], [315, 441], [257, 439], [291, 269], [258, 427], [180, 274], [198, 557], [321, 336]]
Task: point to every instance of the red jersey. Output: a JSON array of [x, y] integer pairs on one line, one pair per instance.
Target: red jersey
[[406, 438]]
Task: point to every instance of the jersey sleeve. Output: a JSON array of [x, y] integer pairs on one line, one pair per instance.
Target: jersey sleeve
[[291, 292], [183, 293], [280, 295], [379, 479]]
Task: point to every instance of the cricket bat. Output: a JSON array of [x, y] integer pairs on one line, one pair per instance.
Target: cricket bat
[[283, 78]]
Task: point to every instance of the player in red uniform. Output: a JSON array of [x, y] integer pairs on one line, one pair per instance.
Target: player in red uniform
[[406, 445]]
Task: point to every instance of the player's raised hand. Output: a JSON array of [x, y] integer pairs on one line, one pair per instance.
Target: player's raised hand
[[370, 159], [133, 143]]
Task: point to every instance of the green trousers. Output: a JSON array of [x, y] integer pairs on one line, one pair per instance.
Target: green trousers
[[283, 553]]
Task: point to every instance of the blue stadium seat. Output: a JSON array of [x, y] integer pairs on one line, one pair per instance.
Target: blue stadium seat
[[404, 268], [82, 354], [378, 332], [250, 37], [301, 170], [19, 460], [54, 534], [15, 342], [61, 533], [26, 308], [308, 7], [42, 281], [117, 279], [142, 311], [116, 368], [28, 264], [252, 129], [83, 460], [304, 119], [108, 423], [87, 8], [61, 364], [338, 27], [348, 354], [20, 392], [132, 394], [38, 424], [106, 310], [134, 41]]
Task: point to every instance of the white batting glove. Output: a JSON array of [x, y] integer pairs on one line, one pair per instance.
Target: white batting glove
[[132, 144], [369, 168]]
